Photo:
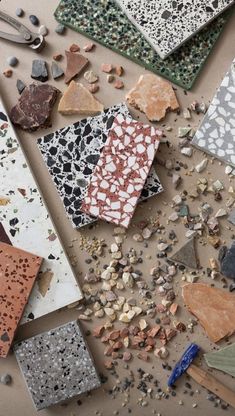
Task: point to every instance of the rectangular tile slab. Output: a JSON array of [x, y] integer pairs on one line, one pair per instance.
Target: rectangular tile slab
[[18, 271], [121, 172], [56, 365], [71, 155], [28, 225], [216, 134], [167, 24], [112, 28]]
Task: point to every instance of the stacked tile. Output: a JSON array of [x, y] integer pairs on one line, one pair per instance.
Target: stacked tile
[[28, 226], [18, 271], [167, 25], [121, 171], [56, 365], [71, 155], [216, 134]]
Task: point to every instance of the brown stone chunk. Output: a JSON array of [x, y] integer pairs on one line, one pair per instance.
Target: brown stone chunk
[[213, 307], [154, 331], [114, 335], [173, 308], [74, 48], [119, 70], [78, 100], [153, 96], [118, 84], [170, 333], [143, 356], [107, 68], [127, 356], [34, 107], [57, 57], [76, 63], [98, 331], [8, 73]]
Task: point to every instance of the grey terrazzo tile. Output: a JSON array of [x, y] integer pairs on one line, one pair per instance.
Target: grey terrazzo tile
[[56, 365], [216, 134], [167, 24], [71, 155]]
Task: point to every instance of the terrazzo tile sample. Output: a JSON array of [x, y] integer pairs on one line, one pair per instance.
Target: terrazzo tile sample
[[216, 134], [18, 271], [27, 223], [112, 28], [71, 155], [121, 171], [56, 365], [167, 24]]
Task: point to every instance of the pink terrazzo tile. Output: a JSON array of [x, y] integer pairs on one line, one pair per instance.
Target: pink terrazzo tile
[[122, 170]]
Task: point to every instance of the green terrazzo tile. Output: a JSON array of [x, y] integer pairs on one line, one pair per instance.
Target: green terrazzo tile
[[104, 21], [223, 360]]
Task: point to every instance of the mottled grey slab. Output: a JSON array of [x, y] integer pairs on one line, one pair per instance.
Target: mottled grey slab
[[56, 365], [216, 134]]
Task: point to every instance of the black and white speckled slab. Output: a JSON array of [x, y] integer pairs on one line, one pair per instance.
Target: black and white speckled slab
[[56, 365], [71, 155], [167, 24], [216, 134]]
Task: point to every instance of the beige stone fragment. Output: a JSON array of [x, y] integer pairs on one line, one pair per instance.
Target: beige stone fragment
[[213, 307], [153, 96], [78, 100], [44, 282]]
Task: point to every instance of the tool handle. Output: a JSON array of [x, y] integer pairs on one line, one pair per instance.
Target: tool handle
[[212, 384]]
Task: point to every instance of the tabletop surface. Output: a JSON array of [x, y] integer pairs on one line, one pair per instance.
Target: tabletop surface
[[15, 399]]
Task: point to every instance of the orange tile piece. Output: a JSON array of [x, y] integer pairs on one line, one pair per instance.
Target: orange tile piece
[[18, 271], [213, 307]]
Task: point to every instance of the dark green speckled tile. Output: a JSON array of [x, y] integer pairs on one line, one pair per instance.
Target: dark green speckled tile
[[104, 21]]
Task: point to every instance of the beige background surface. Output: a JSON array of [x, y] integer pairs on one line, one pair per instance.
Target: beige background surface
[[15, 400]]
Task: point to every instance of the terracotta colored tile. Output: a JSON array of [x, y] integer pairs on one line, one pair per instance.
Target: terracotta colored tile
[[18, 271], [122, 170], [213, 307]]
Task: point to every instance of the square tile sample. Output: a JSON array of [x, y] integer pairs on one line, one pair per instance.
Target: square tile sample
[[28, 226], [18, 271], [216, 134], [121, 171], [56, 365], [113, 29], [167, 24], [71, 155]]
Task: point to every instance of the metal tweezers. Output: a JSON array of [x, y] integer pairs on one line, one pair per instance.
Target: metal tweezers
[[26, 37]]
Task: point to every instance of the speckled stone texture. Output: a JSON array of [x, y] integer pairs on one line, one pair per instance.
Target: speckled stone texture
[[121, 171], [216, 134], [56, 365], [18, 271], [112, 28], [71, 155], [166, 24]]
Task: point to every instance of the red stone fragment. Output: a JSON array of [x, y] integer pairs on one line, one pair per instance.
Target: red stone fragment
[[170, 333], [107, 68], [114, 335], [108, 351], [148, 348], [124, 333], [143, 356], [161, 308], [74, 48], [154, 331], [150, 341], [127, 356], [118, 345], [98, 331], [118, 84], [57, 57], [119, 70]]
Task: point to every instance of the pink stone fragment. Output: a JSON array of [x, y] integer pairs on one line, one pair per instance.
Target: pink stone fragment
[[122, 170], [106, 68], [89, 47]]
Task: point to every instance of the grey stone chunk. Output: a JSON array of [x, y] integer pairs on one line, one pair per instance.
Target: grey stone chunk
[[60, 29], [20, 86], [186, 255], [6, 379], [19, 12], [56, 365], [12, 61], [39, 70], [231, 217], [56, 71], [228, 263], [34, 20]]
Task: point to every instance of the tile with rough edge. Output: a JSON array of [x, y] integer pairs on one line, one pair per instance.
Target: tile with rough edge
[[18, 271], [71, 155], [78, 100], [112, 28], [76, 63], [186, 255], [213, 307], [48, 381], [121, 172], [28, 225], [216, 134], [4, 238], [223, 360], [167, 24], [153, 96]]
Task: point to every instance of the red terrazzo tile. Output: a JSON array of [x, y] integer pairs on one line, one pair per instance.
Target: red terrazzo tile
[[18, 271], [121, 171]]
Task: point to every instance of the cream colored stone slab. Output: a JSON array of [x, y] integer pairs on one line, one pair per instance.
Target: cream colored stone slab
[[78, 100]]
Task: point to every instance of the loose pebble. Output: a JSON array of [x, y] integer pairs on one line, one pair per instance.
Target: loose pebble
[[118, 84], [57, 57], [8, 73], [74, 48], [34, 20], [89, 47], [60, 29], [43, 30], [91, 77], [19, 12], [93, 88], [6, 379], [20, 85], [12, 61], [107, 68]]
